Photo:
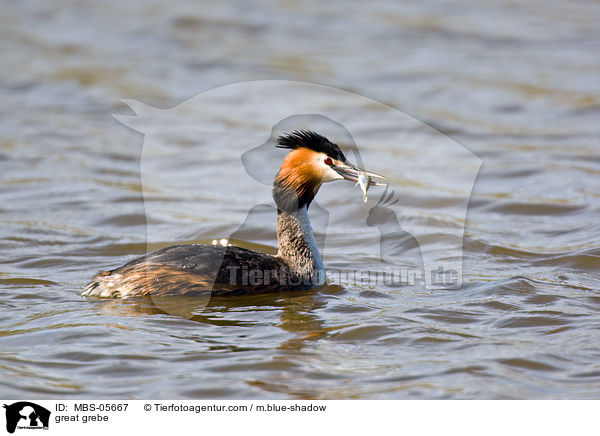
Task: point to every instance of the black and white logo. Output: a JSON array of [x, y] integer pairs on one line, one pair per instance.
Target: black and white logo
[[26, 415]]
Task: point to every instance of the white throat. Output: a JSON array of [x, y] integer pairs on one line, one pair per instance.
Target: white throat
[[297, 245]]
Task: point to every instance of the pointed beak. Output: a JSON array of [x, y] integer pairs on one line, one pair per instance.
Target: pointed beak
[[351, 172]]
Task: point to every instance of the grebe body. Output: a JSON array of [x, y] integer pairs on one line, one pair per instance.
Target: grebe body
[[199, 268]]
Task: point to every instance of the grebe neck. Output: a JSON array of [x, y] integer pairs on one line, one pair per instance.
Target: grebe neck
[[297, 245]]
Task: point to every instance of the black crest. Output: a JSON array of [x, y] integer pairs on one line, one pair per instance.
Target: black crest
[[312, 141]]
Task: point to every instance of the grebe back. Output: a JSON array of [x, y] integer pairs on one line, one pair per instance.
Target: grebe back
[[199, 269]]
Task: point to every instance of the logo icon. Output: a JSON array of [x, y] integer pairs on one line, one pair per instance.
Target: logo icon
[[420, 237], [422, 157], [26, 415]]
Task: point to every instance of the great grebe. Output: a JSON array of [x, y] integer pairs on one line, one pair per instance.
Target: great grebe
[[199, 268]]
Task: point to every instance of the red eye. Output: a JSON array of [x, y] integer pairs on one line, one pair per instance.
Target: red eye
[[328, 161]]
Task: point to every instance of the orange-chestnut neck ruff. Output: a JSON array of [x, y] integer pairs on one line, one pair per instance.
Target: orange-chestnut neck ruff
[[298, 180]]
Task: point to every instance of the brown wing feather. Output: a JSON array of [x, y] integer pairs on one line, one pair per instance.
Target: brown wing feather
[[191, 270]]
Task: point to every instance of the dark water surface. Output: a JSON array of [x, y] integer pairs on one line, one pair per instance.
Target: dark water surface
[[517, 84]]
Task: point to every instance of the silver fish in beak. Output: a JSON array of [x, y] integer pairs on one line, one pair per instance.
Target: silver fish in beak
[[352, 173], [364, 182], [363, 178]]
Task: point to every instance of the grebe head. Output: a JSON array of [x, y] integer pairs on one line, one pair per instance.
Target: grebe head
[[312, 161]]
